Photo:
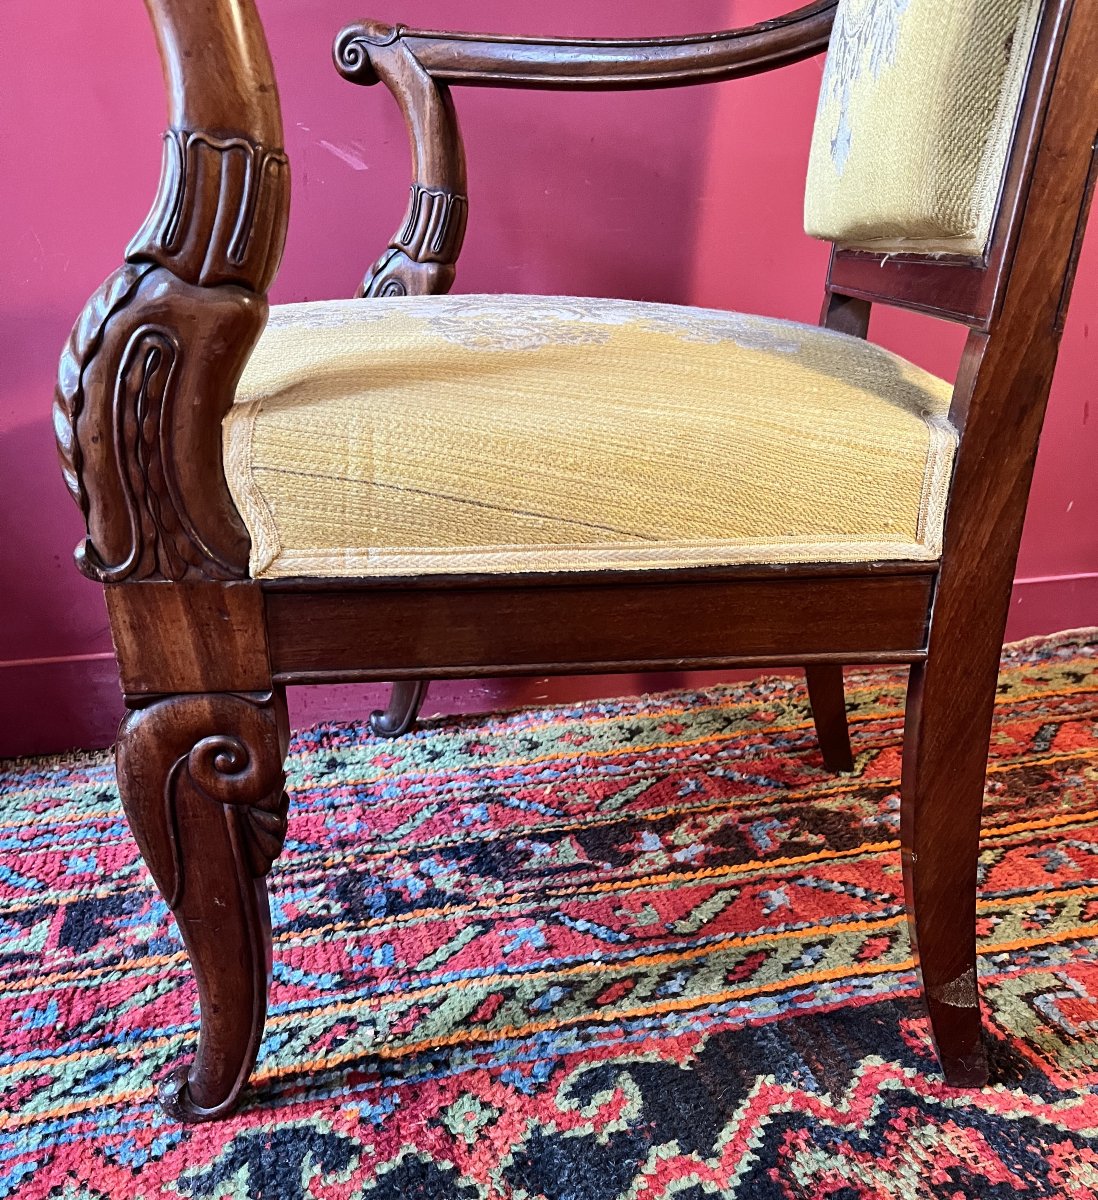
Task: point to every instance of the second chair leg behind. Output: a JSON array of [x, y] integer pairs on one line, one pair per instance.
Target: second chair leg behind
[[825, 689], [827, 694], [405, 701]]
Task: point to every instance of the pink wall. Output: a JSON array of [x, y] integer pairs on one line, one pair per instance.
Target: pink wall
[[688, 196]]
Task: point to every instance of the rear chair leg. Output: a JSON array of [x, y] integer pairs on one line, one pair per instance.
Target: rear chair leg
[[827, 695], [949, 714], [825, 689]]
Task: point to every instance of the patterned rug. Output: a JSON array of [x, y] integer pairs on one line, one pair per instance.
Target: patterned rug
[[638, 950]]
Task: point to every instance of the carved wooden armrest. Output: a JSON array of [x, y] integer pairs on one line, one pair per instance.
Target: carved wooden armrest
[[419, 67], [152, 366]]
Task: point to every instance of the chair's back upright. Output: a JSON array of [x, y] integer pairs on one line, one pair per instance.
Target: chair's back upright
[[933, 118], [968, 211]]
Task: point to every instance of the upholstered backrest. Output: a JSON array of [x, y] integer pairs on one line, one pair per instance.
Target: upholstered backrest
[[917, 108]]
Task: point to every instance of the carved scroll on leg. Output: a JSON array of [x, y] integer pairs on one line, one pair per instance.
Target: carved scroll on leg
[[203, 788], [422, 256]]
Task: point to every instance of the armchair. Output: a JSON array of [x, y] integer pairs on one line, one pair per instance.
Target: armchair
[[426, 487]]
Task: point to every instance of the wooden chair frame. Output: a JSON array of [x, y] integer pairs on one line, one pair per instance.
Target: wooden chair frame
[[205, 652]]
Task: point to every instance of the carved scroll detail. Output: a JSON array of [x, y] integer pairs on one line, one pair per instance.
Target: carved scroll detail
[[152, 365], [221, 749], [223, 770], [203, 786], [356, 46], [138, 421], [584, 64], [422, 255]]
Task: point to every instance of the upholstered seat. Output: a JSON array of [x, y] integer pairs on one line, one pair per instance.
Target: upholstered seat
[[506, 434]]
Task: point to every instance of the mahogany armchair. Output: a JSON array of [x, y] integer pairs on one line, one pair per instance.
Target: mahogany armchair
[[742, 492]]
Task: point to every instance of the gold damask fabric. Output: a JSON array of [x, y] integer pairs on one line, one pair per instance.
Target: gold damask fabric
[[917, 109], [514, 434]]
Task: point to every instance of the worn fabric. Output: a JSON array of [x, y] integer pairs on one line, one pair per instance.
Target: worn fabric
[[917, 109], [507, 434]]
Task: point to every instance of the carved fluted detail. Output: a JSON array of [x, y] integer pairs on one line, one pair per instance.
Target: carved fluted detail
[[220, 216], [421, 258], [422, 255], [152, 365]]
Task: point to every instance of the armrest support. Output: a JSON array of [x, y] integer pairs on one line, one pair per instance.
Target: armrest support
[[421, 257], [152, 366], [419, 67]]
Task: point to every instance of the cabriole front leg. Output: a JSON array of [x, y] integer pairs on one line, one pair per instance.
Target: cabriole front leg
[[202, 783]]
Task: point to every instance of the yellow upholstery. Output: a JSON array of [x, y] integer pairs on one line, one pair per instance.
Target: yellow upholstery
[[918, 104], [509, 433]]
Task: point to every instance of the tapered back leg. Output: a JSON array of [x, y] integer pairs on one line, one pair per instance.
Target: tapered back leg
[[827, 694], [949, 714]]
